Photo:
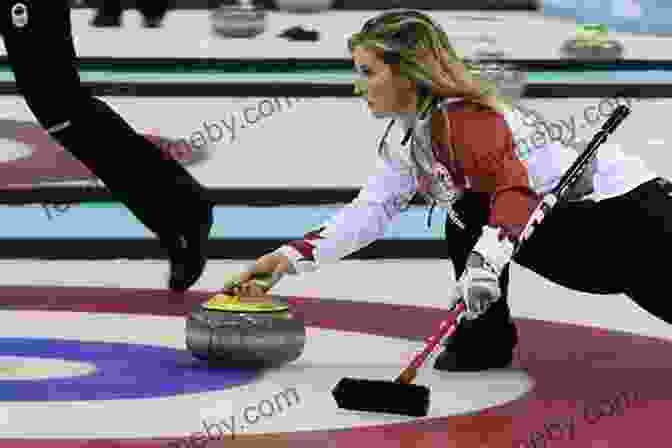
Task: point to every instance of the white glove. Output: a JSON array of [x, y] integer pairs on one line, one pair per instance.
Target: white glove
[[479, 285], [479, 289]]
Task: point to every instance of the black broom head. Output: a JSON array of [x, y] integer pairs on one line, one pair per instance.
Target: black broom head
[[386, 397]]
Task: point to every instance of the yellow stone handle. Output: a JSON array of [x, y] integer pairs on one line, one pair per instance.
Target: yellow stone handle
[[226, 302], [225, 298], [263, 280]]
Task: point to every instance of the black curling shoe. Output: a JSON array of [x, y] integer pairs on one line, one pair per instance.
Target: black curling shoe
[[187, 256], [481, 344]]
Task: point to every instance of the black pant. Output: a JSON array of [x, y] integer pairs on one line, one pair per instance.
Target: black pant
[[152, 9], [158, 190], [613, 246]]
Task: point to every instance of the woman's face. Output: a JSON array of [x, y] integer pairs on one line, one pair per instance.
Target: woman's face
[[387, 92]]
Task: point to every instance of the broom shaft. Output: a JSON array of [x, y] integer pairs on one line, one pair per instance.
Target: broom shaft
[[544, 208], [446, 328]]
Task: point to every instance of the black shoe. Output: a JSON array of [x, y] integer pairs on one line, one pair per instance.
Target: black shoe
[[103, 21], [482, 344], [299, 33], [187, 256]]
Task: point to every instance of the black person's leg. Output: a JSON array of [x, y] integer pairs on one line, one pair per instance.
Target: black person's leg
[[584, 245], [650, 224], [486, 342], [153, 11], [109, 13], [160, 192]]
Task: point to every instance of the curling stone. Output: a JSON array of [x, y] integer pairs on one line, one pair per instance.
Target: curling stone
[[239, 21], [577, 49], [231, 332], [591, 42]]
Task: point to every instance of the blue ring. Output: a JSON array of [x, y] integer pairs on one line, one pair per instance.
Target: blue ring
[[124, 371]]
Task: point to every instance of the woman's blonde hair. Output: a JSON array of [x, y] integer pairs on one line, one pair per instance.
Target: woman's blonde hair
[[421, 50]]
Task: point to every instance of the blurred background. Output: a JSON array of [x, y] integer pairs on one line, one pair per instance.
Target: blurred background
[[255, 98]]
